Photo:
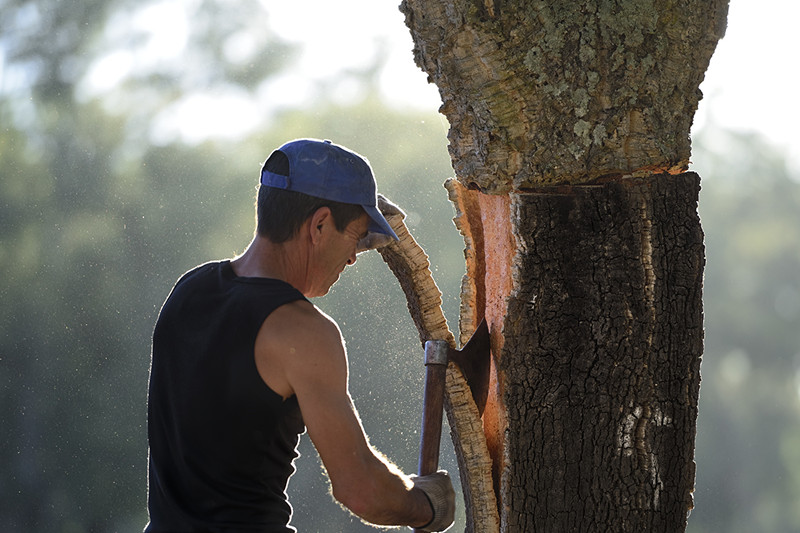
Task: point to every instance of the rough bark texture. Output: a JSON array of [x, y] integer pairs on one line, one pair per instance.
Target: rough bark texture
[[570, 139], [602, 419], [597, 337], [540, 92]]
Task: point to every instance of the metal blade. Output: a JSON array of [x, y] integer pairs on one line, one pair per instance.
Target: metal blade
[[474, 360]]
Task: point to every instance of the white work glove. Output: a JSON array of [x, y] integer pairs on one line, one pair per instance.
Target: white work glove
[[377, 240], [439, 490]]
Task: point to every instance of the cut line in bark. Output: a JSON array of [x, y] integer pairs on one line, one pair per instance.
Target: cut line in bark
[[411, 266]]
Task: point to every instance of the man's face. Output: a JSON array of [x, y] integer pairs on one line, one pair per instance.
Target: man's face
[[337, 250]]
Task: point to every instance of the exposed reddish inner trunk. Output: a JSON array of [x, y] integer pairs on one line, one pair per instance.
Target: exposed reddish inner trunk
[[487, 223]]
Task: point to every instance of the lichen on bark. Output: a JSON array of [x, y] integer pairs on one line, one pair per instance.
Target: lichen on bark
[[540, 93]]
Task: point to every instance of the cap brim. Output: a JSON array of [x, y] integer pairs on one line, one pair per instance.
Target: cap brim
[[378, 223]]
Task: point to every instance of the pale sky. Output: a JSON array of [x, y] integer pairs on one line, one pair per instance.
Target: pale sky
[[750, 84]]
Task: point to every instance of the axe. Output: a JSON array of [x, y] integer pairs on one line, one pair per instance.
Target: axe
[[473, 359], [410, 265]]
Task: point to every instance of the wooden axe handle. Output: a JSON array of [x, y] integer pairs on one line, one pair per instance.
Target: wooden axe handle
[[432, 407]]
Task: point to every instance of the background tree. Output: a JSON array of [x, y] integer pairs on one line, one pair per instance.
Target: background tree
[[570, 138], [84, 261], [751, 367]]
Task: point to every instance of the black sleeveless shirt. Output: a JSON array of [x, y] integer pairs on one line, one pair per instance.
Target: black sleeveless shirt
[[222, 443]]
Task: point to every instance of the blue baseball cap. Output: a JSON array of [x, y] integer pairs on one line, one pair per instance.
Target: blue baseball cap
[[326, 170]]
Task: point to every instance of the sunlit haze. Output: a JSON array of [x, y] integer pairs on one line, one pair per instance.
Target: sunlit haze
[[750, 84]]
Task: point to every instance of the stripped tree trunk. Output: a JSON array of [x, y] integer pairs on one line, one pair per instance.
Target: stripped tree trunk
[[570, 141]]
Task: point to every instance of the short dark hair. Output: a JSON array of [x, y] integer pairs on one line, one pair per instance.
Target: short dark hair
[[280, 213]]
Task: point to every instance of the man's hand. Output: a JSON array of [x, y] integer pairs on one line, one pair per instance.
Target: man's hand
[[439, 490], [373, 239]]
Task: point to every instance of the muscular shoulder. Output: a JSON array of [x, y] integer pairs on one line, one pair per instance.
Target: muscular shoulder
[[298, 343], [300, 323]]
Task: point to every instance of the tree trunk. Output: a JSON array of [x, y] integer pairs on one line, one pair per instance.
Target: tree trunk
[[570, 140]]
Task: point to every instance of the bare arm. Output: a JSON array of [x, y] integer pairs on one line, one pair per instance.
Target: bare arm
[[300, 351]]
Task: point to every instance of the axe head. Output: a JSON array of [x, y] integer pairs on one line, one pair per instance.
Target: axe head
[[473, 359]]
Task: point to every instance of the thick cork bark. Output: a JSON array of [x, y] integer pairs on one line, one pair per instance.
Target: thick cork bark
[[410, 265], [539, 93]]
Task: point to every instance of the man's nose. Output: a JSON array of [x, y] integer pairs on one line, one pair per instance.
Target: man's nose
[[352, 258]]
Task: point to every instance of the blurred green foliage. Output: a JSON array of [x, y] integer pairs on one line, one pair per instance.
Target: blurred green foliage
[[748, 433], [97, 222]]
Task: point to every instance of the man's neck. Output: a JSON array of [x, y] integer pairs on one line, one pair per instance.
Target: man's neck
[[265, 259]]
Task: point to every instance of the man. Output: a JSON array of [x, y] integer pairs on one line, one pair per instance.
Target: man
[[242, 361]]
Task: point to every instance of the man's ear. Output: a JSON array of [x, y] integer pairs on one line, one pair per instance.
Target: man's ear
[[318, 220]]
